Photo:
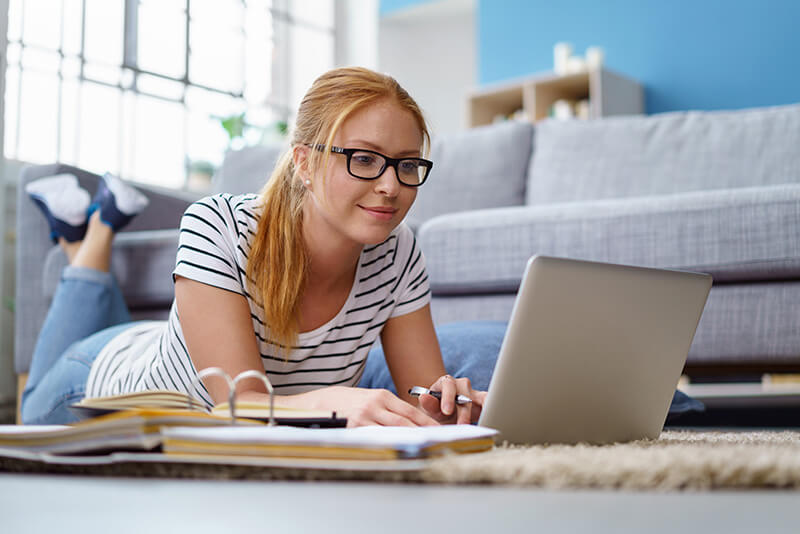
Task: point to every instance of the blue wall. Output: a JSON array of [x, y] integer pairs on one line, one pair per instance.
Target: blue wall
[[689, 54]]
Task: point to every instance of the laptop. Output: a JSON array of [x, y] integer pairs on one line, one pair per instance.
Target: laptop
[[593, 352]]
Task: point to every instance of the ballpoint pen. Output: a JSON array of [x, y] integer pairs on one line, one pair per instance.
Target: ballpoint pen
[[416, 391]]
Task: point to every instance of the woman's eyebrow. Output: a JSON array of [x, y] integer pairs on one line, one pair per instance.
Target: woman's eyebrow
[[377, 148]]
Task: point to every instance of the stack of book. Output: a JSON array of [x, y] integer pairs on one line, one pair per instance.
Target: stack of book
[[169, 426]]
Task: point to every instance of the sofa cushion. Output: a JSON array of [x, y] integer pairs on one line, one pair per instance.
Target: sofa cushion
[[247, 170], [661, 154], [141, 262], [735, 235], [475, 169], [743, 324]]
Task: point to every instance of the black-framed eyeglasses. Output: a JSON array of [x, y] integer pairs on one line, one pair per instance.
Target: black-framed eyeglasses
[[370, 165]]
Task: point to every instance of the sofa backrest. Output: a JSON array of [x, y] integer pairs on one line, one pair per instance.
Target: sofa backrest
[[247, 170], [666, 153], [475, 169]]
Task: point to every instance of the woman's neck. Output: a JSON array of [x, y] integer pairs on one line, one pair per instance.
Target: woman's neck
[[332, 257]]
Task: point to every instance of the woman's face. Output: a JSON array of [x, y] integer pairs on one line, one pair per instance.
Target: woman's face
[[365, 211]]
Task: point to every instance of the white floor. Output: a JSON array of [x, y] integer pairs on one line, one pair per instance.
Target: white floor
[[63, 504]]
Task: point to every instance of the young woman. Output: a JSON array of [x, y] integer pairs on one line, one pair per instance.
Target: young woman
[[297, 282]]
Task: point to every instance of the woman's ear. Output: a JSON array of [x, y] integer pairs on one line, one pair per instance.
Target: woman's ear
[[300, 155]]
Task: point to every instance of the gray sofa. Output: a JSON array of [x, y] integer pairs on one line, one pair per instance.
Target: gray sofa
[[717, 192]]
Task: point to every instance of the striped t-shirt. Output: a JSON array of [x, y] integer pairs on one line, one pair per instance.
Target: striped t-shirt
[[216, 234]]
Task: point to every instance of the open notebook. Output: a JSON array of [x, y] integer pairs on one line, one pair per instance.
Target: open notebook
[[173, 400]]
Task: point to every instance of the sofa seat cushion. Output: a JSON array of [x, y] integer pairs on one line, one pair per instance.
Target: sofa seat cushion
[[746, 234], [141, 262]]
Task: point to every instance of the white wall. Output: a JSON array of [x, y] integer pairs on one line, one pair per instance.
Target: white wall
[[430, 49], [357, 33]]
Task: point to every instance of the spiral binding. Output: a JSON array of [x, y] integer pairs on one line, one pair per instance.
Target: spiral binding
[[216, 371]]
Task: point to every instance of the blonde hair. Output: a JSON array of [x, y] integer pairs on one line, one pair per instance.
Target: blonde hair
[[278, 261]]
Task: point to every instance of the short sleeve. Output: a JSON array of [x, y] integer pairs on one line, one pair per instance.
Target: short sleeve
[[414, 292], [207, 245]]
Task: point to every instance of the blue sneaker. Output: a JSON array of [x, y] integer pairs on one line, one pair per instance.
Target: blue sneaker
[[64, 203], [117, 201]]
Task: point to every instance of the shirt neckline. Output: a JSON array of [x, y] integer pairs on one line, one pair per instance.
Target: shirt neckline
[[311, 334]]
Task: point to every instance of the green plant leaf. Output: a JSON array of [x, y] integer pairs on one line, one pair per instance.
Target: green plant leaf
[[234, 125]]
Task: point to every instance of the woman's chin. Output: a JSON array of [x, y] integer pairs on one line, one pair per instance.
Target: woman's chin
[[375, 235]]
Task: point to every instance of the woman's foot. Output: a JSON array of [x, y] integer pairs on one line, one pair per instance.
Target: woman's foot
[[117, 201], [64, 203]]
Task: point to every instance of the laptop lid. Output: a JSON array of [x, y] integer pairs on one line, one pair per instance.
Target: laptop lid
[[593, 351]]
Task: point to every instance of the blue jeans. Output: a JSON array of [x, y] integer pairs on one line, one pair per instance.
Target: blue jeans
[[87, 311], [470, 349]]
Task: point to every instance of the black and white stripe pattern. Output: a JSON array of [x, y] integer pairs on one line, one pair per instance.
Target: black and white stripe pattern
[[216, 236]]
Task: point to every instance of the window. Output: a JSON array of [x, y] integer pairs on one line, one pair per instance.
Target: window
[[140, 87]]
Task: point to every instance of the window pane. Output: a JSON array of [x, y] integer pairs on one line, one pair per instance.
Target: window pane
[[10, 109], [105, 25], [258, 54], [98, 136], [127, 135], [221, 105], [155, 86], [38, 127], [207, 140], [162, 38], [15, 20], [73, 23], [40, 60], [42, 23], [102, 73], [70, 104], [71, 67], [14, 53], [216, 58], [226, 14], [159, 142]]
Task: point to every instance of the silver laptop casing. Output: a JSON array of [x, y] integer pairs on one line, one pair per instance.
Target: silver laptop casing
[[593, 351]]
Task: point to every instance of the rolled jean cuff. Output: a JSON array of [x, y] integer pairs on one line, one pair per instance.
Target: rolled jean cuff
[[87, 274]]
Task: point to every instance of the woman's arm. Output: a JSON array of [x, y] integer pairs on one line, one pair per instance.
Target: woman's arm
[[218, 331], [414, 359]]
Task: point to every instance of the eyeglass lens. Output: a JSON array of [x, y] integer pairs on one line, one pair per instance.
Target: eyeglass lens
[[369, 165]]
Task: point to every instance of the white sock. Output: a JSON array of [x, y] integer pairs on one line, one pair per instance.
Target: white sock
[[64, 197], [128, 199]]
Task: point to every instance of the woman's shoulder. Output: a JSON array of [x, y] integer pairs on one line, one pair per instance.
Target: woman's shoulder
[[228, 203], [225, 209]]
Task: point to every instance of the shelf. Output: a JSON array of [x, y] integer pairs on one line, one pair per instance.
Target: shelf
[[608, 93]]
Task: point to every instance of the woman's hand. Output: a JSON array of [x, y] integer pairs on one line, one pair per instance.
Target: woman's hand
[[446, 410], [364, 407]]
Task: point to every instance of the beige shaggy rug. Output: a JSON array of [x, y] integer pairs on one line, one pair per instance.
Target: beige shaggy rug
[[678, 460]]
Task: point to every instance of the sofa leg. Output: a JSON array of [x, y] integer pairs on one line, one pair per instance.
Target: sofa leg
[[22, 379]]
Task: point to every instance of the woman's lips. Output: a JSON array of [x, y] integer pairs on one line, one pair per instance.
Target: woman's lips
[[380, 212]]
